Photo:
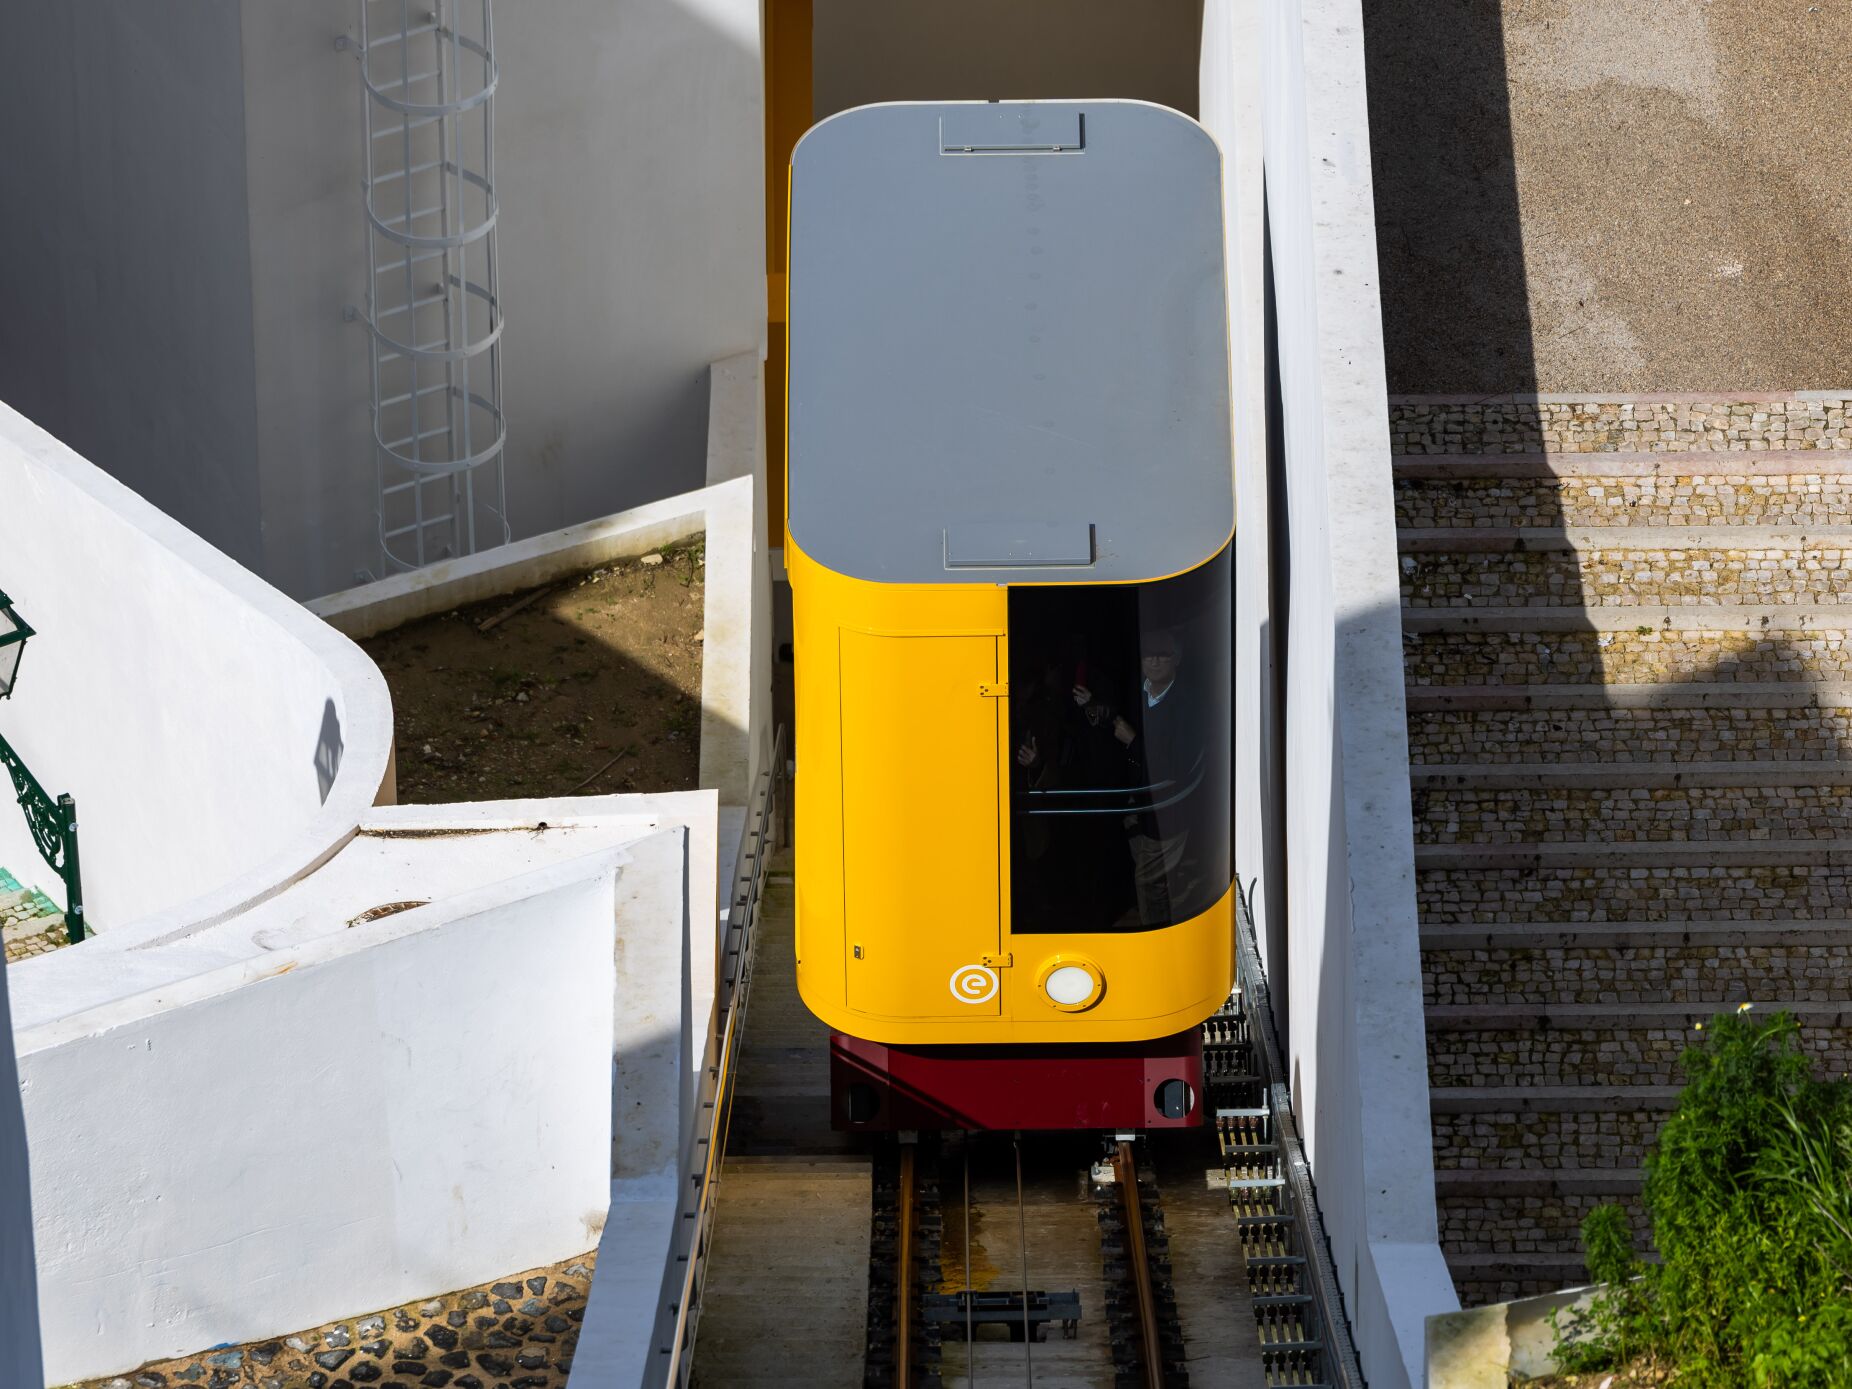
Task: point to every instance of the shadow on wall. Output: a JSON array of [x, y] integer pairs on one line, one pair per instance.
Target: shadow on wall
[[328, 748]]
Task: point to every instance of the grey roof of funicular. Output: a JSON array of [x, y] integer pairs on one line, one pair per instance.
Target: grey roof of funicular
[[1009, 355]]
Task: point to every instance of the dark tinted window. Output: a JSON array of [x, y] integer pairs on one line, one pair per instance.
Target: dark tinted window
[[1120, 700]]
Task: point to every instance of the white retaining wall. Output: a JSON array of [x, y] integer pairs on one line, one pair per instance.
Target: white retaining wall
[[218, 739], [1333, 838], [418, 1103]]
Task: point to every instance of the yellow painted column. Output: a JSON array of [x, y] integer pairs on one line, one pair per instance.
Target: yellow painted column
[[787, 117]]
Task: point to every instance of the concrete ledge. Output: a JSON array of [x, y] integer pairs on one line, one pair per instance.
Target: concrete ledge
[[1583, 539], [1760, 620], [1616, 1017], [1744, 694], [1699, 463], [1515, 775], [1549, 1099], [1650, 854], [1536, 1181], [379, 607], [1625, 935], [1482, 1348]]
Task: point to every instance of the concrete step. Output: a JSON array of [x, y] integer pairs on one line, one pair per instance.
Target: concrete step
[[1577, 647], [1575, 973], [1763, 621], [1671, 735], [1817, 853], [1599, 1182], [1736, 772], [1533, 424], [1574, 1044], [1734, 695], [1661, 886], [1625, 935], [1647, 573]]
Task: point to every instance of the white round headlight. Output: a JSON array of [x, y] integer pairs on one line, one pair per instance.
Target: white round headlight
[[1070, 985]]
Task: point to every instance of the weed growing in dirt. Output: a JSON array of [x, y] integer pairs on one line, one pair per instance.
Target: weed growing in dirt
[[1749, 1189]]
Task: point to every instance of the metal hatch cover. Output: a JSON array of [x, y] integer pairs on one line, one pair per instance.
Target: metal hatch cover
[[1019, 545], [1016, 128]]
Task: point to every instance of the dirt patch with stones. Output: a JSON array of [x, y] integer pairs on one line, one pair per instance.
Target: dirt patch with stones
[[518, 1332], [586, 686]]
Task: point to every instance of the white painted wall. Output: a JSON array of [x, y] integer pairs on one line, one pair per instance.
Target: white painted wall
[[411, 1105], [218, 739], [19, 1287], [1348, 952], [188, 182], [629, 156], [125, 269]]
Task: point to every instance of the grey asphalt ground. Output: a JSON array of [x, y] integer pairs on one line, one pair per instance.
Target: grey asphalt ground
[[1620, 195]]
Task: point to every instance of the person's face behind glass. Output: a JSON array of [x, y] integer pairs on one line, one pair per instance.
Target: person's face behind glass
[[1160, 659]]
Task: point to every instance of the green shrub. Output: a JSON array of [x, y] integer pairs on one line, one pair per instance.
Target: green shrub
[[1749, 1189]]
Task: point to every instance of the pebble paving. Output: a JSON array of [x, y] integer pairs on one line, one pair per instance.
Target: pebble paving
[[30, 922], [517, 1332]]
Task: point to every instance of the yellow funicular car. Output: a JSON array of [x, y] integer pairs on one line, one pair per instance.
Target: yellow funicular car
[[1009, 520]]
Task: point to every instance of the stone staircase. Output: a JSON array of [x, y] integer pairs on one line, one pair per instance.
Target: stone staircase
[[30, 922], [1629, 687]]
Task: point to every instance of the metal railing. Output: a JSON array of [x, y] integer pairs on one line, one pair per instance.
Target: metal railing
[[1298, 1306], [53, 824], [766, 829]]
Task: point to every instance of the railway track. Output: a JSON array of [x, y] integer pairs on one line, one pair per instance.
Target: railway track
[[1054, 1269]]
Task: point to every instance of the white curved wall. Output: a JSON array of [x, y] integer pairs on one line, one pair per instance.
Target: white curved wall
[[219, 740]]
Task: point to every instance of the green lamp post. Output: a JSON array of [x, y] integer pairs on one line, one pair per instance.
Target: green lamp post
[[13, 635], [53, 822]]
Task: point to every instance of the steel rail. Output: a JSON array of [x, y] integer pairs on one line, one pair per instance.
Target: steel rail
[[1333, 1332], [681, 1317], [903, 1276], [1153, 1348]]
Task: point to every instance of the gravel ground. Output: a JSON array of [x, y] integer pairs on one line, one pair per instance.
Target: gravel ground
[[1612, 195]]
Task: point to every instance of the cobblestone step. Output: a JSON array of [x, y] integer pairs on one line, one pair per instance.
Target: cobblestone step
[[1731, 696], [1563, 467], [1630, 1044], [1727, 423], [1501, 1277], [1530, 1212], [1558, 491], [1514, 734], [1601, 1127], [1636, 568], [1542, 650], [1780, 814], [1577, 973], [1698, 889]]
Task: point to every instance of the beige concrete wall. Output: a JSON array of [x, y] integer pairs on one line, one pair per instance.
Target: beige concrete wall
[[954, 50]]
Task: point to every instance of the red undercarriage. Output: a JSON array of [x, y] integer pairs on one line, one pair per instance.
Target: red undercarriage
[[1121, 1086]]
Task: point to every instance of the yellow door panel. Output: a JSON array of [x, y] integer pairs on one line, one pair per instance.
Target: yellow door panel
[[920, 792]]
